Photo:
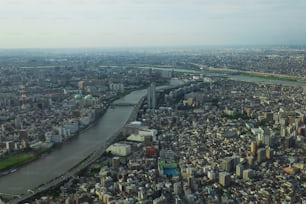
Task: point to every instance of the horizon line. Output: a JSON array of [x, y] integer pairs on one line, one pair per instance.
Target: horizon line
[[159, 46]]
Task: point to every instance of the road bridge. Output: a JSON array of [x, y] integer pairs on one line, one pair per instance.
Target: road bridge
[[123, 104]]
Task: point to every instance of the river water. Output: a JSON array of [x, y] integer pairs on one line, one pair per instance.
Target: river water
[[71, 153], [263, 80], [236, 77]]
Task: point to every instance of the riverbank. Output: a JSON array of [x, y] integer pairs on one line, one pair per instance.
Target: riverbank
[[58, 163], [12, 162], [92, 157], [272, 77], [82, 165]]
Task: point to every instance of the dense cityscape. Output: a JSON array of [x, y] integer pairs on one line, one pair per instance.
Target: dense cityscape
[[193, 135]]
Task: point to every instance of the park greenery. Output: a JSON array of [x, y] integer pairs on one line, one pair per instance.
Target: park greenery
[[16, 159], [272, 77]]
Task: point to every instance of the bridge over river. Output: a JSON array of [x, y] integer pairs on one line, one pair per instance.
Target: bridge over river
[[122, 104]]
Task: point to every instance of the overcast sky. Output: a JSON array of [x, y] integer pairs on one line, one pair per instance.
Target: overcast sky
[[122, 23]]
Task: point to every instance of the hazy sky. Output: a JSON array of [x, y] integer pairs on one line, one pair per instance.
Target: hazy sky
[[121, 23]]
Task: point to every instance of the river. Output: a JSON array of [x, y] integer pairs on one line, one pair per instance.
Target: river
[[263, 80], [71, 153], [235, 77]]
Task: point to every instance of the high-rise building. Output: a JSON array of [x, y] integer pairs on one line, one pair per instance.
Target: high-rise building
[[151, 96], [229, 163], [224, 179], [81, 85], [269, 140], [115, 163], [226, 164], [253, 148], [269, 153], [239, 170], [248, 174], [269, 116], [250, 160], [261, 155], [289, 142], [23, 97]]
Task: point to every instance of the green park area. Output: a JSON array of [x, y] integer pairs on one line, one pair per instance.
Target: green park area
[[273, 77], [15, 160]]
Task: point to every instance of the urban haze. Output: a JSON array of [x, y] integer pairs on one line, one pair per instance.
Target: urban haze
[[152, 102]]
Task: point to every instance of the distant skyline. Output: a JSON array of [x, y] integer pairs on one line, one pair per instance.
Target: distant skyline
[[139, 23]]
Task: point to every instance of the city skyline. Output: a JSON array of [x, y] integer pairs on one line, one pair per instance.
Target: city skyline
[[105, 23]]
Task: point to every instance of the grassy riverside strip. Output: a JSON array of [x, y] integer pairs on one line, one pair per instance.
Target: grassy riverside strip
[[17, 159], [264, 75], [271, 77]]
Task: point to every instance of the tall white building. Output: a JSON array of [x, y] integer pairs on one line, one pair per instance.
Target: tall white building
[[151, 95]]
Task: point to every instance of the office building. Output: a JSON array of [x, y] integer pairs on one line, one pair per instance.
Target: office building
[[250, 160], [253, 148], [248, 174], [115, 163], [269, 153], [268, 140], [239, 170], [289, 142], [261, 155], [224, 179], [151, 96], [229, 163]]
